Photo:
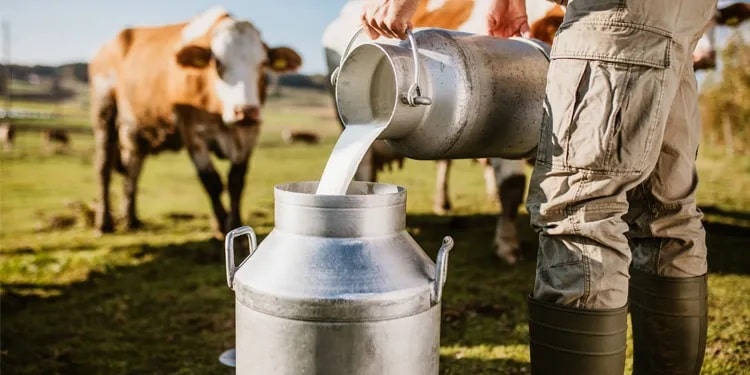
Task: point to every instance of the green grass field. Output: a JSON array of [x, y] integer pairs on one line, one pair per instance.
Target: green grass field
[[156, 302]]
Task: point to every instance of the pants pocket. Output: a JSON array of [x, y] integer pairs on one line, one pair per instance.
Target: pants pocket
[[603, 115]]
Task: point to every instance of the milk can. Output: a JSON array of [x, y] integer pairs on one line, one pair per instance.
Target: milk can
[[337, 287], [447, 94]]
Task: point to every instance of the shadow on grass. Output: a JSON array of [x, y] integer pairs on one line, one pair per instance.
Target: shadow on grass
[[484, 300], [171, 312], [736, 215], [450, 365], [728, 248]]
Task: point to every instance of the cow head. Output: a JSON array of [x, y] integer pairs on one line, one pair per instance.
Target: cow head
[[235, 55]]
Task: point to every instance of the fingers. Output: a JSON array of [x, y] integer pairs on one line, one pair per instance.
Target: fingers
[[379, 21], [398, 29], [368, 16], [387, 26], [490, 26], [501, 28], [525, 30], [372, 33]]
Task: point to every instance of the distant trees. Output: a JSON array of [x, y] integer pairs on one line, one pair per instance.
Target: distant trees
[[77, 71], [725, 99]]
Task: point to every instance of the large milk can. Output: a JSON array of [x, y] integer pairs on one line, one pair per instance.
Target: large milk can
[[447, 94], [337, 287]]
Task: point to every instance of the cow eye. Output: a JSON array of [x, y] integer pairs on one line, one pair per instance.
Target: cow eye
[[220, 68]]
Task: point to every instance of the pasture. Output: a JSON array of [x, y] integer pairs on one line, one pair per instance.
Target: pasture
[[155, 301]]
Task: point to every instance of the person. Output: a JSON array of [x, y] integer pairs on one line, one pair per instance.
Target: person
[[612, 194]]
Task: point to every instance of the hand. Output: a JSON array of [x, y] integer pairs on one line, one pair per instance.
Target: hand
[[389, 18], [508, 18]]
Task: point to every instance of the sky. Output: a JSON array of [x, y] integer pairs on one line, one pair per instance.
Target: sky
[[53, 32]]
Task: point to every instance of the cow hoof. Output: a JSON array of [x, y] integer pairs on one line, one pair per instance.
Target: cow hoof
[[441, 209], [105, 225], [508, 250], [100, 232], [510, 258], [134, 224]]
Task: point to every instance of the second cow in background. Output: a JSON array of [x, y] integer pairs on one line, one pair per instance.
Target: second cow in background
[[503, 177]]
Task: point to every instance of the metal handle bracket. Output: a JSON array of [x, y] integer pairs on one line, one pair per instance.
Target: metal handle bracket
[[441, 270], [229, 250]]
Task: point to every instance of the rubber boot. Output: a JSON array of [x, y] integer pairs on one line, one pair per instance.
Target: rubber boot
[[567, 340], [669, 317]]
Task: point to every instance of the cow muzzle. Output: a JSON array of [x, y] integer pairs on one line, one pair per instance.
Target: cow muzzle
[[705, 61], [247, 114]]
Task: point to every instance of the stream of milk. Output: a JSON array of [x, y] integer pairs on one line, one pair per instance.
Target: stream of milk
[[348, 152]]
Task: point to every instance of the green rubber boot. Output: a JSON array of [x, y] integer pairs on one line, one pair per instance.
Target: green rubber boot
[[669, 317], [567, 340]]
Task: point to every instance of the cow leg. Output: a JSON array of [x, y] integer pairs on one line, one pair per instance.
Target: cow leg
[[490, 183], [511, 182], [133, 163], [106, 143], [442, 202], [131, 157], [103, 164], [211, 182], [236, 183]]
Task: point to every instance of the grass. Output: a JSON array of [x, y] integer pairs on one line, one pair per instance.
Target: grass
[[155, 301]]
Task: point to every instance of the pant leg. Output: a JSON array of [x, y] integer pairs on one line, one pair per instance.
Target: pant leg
[[615, 73], [666, 235]]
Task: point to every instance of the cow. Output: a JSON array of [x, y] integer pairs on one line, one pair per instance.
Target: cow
[[7, 135], [292, 136], [197, 84], [504, 178], [55, 140], [728, 13]]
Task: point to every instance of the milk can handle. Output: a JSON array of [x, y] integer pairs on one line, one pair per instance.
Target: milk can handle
[[441, 270], [229, 250], [414, 96]]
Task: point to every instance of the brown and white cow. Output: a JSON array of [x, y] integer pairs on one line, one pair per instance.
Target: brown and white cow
[[197, 84], [504, 178]]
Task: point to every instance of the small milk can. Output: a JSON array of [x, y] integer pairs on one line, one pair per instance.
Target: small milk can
[[337, 287], [447, 94]]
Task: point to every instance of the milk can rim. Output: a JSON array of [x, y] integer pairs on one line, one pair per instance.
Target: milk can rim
[[381, 194]]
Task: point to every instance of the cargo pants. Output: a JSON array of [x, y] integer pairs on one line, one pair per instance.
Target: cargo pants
[[614, 181]]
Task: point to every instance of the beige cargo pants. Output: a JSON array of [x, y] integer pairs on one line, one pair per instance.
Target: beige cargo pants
[[615, 177]]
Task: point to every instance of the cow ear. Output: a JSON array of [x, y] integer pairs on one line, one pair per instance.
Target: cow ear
[[283, 59], [194, 56]]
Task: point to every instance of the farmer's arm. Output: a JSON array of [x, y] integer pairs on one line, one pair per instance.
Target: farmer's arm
[[508, 18], [391, 18]]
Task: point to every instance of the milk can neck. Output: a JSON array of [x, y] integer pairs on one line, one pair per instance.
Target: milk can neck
[[369, 209]]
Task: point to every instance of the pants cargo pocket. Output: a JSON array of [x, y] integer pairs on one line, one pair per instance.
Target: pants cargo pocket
[[606, 104]]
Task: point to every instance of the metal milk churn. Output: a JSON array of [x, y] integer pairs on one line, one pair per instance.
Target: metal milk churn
[[337, 287], [447, 94]]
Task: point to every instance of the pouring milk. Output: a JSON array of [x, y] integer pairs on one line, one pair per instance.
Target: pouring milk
[[346, 156]]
